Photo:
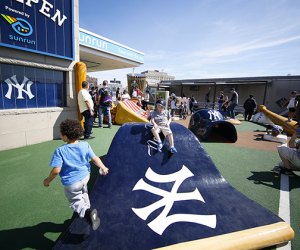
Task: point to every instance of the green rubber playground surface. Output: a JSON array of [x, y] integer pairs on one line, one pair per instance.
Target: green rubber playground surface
[[33, 217]]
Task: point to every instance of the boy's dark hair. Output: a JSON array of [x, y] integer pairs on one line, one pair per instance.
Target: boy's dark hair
[[72, 129]]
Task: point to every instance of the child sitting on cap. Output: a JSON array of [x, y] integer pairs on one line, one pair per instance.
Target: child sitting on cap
[[161, 119]]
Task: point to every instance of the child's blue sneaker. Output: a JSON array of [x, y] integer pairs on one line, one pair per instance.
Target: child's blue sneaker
[[173, 150], [159, 146]]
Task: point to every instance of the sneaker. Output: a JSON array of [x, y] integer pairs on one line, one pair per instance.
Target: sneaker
[[283, 170], [159, 146], [173, 150], [287, 172], [92, 217], [276, 169]]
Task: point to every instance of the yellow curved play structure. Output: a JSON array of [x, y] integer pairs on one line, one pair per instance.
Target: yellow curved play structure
[[288, 127], [80, 76], [128, 111]]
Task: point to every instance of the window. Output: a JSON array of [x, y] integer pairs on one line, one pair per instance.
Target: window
[[27, 87]]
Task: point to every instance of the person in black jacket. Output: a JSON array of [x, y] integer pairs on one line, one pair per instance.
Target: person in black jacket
[[249, 106]]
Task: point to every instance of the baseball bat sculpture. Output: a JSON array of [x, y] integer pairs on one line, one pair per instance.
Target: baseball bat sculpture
[[288, 127]]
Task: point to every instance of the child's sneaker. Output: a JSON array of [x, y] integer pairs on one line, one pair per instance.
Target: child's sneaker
[[276, 169], [287, 172], [93, 219], [282, 170], [159, 146], [173, 150]]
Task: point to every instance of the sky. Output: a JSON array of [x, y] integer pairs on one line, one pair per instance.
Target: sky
[[194, 39]]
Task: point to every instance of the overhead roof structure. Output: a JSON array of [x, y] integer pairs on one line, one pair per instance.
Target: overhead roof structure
[[220, 81], [100, 53]]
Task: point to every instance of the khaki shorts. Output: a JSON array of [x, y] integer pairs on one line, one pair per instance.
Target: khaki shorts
[[291, 155], [165, 130]]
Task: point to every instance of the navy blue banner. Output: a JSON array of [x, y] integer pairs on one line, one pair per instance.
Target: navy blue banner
[[44, 27]]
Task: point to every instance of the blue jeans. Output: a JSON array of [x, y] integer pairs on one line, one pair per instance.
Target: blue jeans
[[231, 110], [104, 111]]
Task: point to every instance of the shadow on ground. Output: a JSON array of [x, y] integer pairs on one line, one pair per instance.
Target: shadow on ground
[[268, 179], [34, 237], [31, 237]]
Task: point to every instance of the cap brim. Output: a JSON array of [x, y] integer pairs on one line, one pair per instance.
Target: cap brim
[[223, 128]]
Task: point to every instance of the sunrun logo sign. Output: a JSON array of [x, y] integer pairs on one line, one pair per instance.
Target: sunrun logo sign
[[97, 42], [19, 25], [38, 26]]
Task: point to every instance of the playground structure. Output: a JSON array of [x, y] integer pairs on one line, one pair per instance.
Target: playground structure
[[129, 111], [154, 200], [288, 127]]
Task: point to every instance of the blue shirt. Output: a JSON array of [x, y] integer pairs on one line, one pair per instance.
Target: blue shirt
[[73, 160]]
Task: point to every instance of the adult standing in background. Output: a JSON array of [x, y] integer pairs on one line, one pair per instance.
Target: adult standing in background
[[221, 101], [207, 98], [86, 108], [94, 93], [297, 107], [117, 93], [105, 103], [173, 106], [249, 105], [192, 100], [233, 102], [146, 99], [291, 106]]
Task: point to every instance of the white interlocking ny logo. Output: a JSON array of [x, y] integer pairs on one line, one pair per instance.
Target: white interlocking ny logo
[[163, 220], [19, 87], [214, 115]]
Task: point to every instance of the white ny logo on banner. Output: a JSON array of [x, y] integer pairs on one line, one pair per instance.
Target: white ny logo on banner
[[19, 87], [163, 220]]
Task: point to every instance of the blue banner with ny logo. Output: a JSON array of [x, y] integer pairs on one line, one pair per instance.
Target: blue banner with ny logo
[[26, 87]]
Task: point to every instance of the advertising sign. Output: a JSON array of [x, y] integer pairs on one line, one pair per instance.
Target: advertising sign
[[40, 26], [94, 41]]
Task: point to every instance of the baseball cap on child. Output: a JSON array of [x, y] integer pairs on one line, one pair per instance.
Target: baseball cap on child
[[161, 103]]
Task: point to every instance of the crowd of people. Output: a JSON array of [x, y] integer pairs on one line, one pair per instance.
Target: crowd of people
[[181, 106]]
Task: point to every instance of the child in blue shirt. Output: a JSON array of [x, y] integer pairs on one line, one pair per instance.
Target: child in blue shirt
[[71, 162]]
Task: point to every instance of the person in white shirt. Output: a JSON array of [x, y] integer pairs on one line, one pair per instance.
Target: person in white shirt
[[125, 96], [86, 108], [291, 106], [173, 106]]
